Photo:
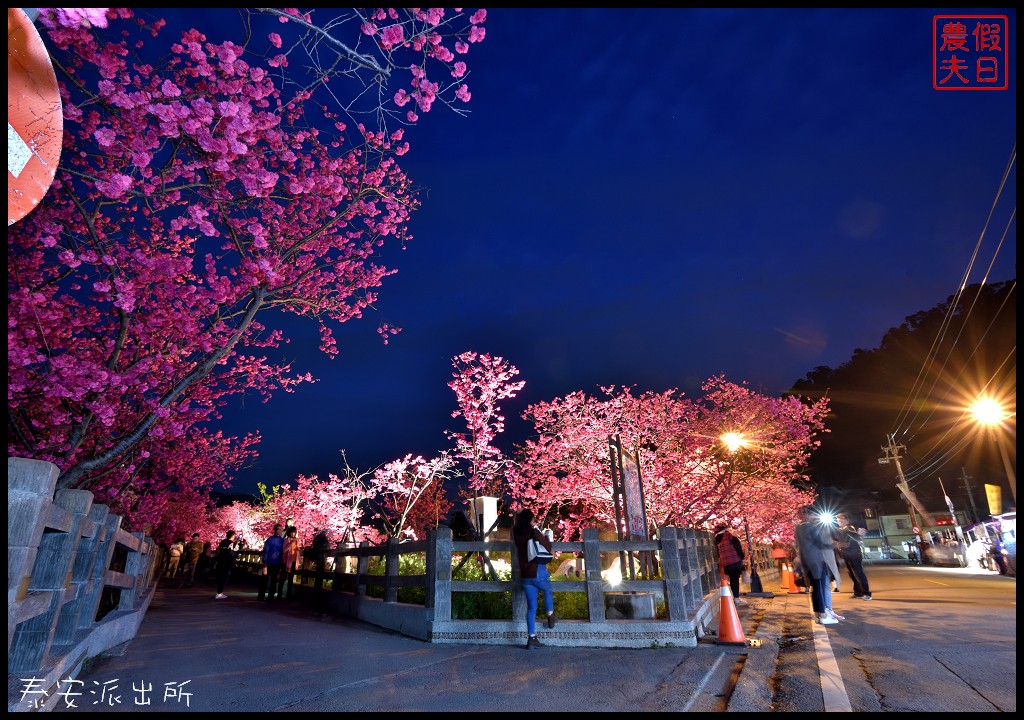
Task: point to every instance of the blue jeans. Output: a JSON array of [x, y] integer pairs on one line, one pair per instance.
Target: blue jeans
[[531, 586]]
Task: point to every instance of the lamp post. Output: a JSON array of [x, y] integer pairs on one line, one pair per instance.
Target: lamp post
[[990, 413], [733, 442]]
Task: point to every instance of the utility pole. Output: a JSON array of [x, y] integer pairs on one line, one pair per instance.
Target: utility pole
[[892, 454], [970, 494]]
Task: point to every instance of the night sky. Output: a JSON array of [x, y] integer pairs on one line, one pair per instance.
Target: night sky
[[652, 197]]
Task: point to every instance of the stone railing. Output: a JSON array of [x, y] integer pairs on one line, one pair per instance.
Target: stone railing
[[77, 584], [685, 589]]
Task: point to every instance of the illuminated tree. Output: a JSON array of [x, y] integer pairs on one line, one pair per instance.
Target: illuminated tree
[[690, 478], [480, 383], [409, 495], [195, 202]]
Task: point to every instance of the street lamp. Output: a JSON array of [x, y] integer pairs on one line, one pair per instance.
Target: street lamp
[[733, 442], [989, 412]]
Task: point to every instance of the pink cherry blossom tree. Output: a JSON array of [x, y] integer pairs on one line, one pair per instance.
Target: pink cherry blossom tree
[[690, 478], [480, 383], [410, 495], [196, 200]]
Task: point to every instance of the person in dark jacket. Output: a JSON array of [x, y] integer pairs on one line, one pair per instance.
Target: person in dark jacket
[[533, 575], [227, 550], [273, 563], [730, 559], [848, 542], [814, 541]]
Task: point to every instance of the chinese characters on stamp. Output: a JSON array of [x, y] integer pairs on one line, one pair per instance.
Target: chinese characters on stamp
[[969, 52]]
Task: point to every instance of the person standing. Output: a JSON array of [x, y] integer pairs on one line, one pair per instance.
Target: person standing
[[848, 540], [174, 555], [833, 568], [193, 552], [289, 560], [227, 550], [533, 575], [780, 554], [813, 542], [273, 559], [730, 559], [319, 549]]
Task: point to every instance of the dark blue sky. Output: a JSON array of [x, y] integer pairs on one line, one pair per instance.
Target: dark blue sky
[[652, 197]]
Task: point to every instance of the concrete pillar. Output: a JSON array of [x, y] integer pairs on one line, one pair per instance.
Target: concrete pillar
[[595, 583], [30, 486], [439, 573], [79, 502], [51, 573], [671, 571], [391, 571], [361, 571], [136, 567]]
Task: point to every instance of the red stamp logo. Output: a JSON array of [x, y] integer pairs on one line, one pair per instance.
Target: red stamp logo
[[969, 52]]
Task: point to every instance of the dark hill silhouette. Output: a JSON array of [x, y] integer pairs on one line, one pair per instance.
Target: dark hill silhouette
[[971, 339]]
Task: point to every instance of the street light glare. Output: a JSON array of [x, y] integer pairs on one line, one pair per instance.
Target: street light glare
[[733, 441], [988, 411]]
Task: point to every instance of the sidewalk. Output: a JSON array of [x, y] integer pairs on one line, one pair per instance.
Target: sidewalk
[[195, 654]]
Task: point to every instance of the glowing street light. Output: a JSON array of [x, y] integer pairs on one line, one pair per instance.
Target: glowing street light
[[990, 413], [733, 441]]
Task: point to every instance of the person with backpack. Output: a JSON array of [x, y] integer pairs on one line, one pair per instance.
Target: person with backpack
[[730, 559], [533, 575]]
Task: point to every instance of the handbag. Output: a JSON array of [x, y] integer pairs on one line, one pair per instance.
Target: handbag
[[537, 553]]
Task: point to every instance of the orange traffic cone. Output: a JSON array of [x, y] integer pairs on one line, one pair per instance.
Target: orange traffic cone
[[730, 632], [793, 587], [785, 576]]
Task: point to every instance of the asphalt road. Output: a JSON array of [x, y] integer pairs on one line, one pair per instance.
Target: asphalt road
[[194, 654], [933, 639]]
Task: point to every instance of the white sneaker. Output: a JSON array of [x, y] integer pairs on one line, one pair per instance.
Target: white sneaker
[[827, 620], [220, 596], [832, 614]]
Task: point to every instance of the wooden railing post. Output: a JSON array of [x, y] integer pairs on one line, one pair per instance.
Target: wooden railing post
[[439, 574], [595, 583], [672, 572]]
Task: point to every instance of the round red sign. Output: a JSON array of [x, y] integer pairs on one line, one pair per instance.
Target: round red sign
[[35, 117], [917, 530]]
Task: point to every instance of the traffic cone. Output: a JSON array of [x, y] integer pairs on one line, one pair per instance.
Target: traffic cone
[[785, 576], [793, 587], [730, 632]]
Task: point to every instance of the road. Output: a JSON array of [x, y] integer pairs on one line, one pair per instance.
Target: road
[[935, 639], [932, 639]]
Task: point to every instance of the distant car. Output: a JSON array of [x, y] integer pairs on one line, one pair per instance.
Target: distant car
[[943, 555]]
